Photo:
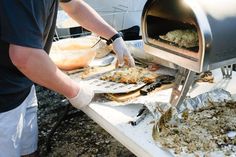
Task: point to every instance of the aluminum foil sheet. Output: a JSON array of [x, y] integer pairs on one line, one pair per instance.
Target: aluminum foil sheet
[[219, 95]]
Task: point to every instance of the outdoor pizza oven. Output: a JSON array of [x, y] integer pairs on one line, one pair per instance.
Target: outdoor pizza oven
[[213, 22]]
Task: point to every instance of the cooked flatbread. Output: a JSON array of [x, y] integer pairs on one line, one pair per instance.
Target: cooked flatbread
[[184, 38], [131, 75]]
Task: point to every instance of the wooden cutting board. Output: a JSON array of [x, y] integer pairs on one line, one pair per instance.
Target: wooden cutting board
[[122, 97]]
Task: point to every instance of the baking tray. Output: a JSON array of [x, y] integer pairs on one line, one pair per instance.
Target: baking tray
[[102, 86]]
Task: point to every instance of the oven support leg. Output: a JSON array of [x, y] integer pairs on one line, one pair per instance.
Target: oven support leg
[[227, 71], [184, 79]]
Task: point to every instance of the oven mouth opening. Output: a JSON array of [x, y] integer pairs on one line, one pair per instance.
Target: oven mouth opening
[[158, 27], [192, 49]]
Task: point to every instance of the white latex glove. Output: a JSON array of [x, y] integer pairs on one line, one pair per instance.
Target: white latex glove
[[83, 98], [122, 53]]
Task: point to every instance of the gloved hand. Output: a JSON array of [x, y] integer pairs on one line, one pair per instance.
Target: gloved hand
[[83, 98], [123, 55]]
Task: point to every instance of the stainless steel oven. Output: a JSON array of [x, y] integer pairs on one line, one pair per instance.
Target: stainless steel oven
[[210, 24], [213, 21]]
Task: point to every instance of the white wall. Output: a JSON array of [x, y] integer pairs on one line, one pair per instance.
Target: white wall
[[120, 14]]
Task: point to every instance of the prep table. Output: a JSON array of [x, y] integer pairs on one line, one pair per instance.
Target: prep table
[[138, 139]]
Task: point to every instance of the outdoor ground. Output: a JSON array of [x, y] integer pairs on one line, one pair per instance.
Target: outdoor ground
[[77, 135]]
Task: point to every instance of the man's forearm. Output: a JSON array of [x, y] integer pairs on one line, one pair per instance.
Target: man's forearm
[[88, 18], [37, 66]]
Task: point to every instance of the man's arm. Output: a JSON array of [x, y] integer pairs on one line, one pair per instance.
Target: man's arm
[[37, 66], [91, 20], [88, 18]]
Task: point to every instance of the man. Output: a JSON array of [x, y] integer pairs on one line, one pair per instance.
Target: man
[[26, 32]]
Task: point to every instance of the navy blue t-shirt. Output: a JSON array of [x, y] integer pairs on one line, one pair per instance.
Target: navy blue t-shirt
[[29, 23]]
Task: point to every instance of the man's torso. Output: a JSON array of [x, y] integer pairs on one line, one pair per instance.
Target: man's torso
[[29, 23]]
